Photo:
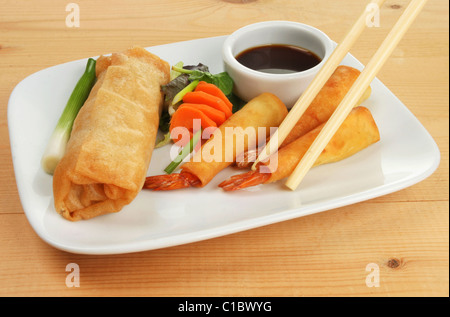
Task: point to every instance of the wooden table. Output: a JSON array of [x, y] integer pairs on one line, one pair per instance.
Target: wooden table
[[405, 233]]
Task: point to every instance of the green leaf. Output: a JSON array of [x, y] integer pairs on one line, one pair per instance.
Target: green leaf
[[224, 82], [179, 97], [201, 73], [164, 141], [164, 121], [173, 73], [237, 102]]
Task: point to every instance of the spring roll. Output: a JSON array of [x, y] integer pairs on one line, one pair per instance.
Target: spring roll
[[357, 132], [319, 111], [264, 111], [113, 136], [326, 102]]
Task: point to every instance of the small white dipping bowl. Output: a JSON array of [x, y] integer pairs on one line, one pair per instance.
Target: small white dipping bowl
[[250, 83]]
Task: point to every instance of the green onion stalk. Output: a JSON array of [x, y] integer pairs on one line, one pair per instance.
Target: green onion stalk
[[56, 146], [185, 151], [179, 97]]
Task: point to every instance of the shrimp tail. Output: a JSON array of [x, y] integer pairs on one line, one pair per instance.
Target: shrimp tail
[[245, 180], [171, 181], [246, 159]]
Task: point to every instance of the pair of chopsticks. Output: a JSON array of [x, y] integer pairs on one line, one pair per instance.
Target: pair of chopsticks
[[352, 97]]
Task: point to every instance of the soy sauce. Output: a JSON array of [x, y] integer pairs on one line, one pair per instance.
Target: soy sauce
[[278, 58]]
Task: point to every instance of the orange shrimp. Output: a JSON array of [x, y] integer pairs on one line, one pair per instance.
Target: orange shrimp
[[171, 181], [246, 159], [245, 180]]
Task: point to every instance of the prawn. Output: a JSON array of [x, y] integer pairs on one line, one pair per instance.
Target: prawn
[[171, 181], [240, 181], [246, 159]]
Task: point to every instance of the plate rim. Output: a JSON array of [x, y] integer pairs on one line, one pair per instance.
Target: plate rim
[[225, 229]]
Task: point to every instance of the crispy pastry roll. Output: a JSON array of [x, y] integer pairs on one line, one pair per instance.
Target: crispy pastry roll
[[326, 101], [357, 132], [264, 111], [113, 136], [244, 129], [320, 109]]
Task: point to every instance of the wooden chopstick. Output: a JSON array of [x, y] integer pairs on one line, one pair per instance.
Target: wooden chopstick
[[316, 84], [358, 88]]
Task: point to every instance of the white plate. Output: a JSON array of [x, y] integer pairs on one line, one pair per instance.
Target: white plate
[[405, 155]]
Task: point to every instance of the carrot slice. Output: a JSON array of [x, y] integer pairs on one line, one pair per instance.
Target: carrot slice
[[215, 91], [184, 117], [200, 97], [215, 115]]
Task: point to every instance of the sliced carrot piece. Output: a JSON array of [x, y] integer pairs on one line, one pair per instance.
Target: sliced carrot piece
[[184, 117], [200, 97], [215, 115], [215, 91]]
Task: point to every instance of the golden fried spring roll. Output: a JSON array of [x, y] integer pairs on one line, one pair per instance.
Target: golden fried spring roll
[[326, 102], [320, 109], [264, 111], [113, 136], [357, 132]]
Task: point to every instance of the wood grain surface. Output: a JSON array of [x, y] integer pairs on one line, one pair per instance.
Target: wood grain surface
[[405, 233]]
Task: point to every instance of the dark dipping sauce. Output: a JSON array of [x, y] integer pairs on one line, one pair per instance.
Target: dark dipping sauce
[[278, 59]]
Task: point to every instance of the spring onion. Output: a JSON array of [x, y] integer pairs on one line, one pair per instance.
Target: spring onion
[[56, 146], [163, 141], [188, 148], [179, 97], [173, 73]]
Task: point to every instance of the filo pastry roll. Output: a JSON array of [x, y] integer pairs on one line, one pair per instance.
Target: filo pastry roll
[[320, 109], [326, 101], [264, 111], [113, 136], [357, 132], [245, 128]]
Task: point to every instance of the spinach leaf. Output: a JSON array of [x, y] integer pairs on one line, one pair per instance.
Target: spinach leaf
[[175, 86], [164, 121], [224, 82], [237, 102], [200, 73], [200, 67]]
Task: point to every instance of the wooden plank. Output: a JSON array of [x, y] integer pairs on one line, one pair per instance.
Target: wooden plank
[[405, 233]]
